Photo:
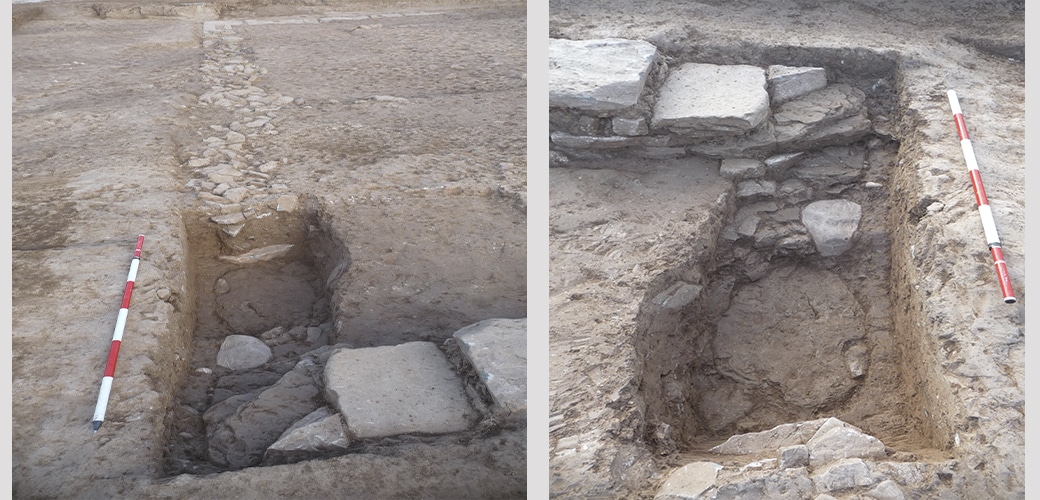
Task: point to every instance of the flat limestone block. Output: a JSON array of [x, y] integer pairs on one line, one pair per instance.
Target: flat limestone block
[[598, 75], [689, 481], [729, 99], [391, 390], [786, 82], [497, 348]]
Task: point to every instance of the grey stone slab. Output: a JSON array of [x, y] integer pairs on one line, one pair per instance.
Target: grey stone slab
[[401, 389], [566, 140], [320, 431], [497, 349], [629, 126], [842, 475], [769, 440], [788, 82], [729, 99], [844, 441], [598, 75], [741, 168], [688, 481]]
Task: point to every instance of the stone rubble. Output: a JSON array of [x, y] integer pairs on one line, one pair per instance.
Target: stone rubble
[[817, 459], [780, 133], [230, 174], [309, 399]]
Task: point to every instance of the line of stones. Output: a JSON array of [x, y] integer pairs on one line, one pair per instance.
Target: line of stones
[[228, 171]]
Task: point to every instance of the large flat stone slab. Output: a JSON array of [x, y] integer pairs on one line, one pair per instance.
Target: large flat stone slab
[[497, 349], [786, 82], [598, 75], [730, 99], [401, 389]]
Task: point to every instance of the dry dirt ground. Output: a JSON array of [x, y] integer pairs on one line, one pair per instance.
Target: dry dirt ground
[[947, 379], [387, 142]]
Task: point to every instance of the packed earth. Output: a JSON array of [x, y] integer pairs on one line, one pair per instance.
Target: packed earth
[[768, 274], [331, 295]]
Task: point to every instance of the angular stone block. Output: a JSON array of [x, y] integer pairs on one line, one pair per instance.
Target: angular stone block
[[708, 97], [688, 481], [787, 82], [497, 349], [831, 223], [598, 75], [390, 390]]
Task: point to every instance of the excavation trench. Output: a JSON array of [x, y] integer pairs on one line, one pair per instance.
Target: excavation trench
[[268, 281], [778, 324], [265, 330], [774, 303]]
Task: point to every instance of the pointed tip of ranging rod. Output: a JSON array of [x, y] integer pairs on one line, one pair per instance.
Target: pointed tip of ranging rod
[[97, 425]]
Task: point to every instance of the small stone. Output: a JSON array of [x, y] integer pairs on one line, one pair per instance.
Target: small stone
[[794, 456], [236, 195], [857, 358], [232, 230], [629, 126], [756, 188], [780, 163], [287, 203], [235, 138], [842, 475], [221, 188], [832, 223], [221, 286], [228, 219], [241, 352], [689, 481], [741, 168], [886, 490]]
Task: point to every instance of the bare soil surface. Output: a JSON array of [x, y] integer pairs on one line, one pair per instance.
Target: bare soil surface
[[385, 142], [637, 389]]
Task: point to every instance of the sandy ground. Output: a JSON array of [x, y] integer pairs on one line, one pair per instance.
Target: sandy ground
[[955, 387], [403, 141]]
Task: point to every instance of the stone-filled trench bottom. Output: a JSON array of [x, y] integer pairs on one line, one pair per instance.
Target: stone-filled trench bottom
[[272, 297]]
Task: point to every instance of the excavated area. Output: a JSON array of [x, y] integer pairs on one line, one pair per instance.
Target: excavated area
[[272, 291], [777, 337], [317, 229], [688, 305]]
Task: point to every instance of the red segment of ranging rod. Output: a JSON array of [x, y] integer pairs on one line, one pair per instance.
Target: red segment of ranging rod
[[117, 339], [988, 224]]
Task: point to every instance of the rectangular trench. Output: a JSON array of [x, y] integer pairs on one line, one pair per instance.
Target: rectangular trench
[[779, 333]]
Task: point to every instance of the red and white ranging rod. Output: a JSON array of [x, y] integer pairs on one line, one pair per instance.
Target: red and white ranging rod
[[117, 339], [988, 225]]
